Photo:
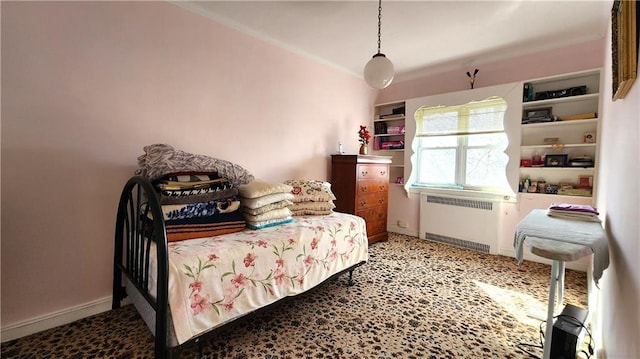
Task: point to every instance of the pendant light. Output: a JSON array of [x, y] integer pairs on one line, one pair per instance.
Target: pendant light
[[379, 70]]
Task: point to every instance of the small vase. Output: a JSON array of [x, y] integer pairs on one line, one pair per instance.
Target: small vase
[[363, 149]]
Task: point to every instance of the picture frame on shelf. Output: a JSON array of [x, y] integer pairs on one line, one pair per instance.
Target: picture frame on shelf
[[555, 160], [624, 47], [537, 112], [589, 137], [537, 115]]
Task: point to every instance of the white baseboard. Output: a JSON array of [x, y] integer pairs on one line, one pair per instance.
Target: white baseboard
[[405, 231], [52, 320]]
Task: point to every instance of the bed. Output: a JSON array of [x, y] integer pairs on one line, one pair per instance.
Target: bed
[[187, 290]]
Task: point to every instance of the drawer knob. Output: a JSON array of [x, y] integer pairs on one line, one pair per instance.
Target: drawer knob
[[382, 173], [363, 203], [364, 173], [363, 188]]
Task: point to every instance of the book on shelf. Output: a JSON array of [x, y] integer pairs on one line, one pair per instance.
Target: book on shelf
[[380, 128], [384, 143], [392, 116], [581, 116]]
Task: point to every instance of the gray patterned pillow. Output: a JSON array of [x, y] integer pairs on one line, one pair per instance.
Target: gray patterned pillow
[[161, 159]]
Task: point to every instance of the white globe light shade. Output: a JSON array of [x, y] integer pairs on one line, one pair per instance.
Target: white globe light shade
[[378, 72]]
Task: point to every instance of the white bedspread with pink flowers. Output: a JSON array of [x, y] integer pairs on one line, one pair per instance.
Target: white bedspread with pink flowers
[[217, 279]]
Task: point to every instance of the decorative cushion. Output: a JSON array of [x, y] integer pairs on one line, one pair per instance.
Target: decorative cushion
[[307, 212], [267, 216], [313, 206], [270, 223], [267, 208], [259, 188], [265, 200], [311, 190]]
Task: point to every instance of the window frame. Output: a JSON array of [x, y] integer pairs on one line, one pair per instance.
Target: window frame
[[512, 94], [462, 134]]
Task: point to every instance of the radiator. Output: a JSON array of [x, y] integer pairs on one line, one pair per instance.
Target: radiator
[[463, 222]]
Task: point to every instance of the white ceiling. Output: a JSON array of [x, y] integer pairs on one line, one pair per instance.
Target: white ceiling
[[419, 37]]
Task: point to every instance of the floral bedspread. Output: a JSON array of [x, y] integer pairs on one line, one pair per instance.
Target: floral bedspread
[[216, 279]]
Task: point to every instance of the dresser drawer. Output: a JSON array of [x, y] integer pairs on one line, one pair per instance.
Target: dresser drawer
[[373, 171], [365, 187], [371, 200], [375, 219], [376, 227], [377, 214]]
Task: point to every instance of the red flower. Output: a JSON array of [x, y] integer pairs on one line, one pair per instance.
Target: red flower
[[198, 304], [364, 135], [308, 260], [195, 286], [239, 280], [249, 260]]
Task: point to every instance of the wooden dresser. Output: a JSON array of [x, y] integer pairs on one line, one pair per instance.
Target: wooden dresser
[[361, 186]]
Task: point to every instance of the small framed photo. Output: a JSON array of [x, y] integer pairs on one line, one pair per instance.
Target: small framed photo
[[589, 137], [555, 160]]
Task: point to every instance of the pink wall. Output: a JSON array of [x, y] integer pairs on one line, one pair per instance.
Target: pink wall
[[573, 58], [618, 198], [85, 85]]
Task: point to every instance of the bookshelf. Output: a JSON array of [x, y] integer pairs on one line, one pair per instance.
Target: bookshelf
[[389, 137]]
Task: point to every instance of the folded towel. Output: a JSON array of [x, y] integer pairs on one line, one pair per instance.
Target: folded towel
[[579, 216], [568, 207]]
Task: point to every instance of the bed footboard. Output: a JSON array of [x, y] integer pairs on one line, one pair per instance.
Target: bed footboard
[[133, 238]]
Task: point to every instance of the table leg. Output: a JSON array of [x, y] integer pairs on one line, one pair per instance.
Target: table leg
[[560, 292], [553, 286]]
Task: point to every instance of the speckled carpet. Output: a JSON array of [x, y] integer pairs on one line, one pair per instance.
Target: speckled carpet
[[413, 299]]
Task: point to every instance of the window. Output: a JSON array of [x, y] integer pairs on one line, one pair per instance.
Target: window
[[462, 146]]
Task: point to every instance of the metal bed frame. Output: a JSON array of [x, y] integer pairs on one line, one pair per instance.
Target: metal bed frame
[[133, 238]]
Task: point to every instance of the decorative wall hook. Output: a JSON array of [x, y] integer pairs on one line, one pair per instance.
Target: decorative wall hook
[[472, 79]]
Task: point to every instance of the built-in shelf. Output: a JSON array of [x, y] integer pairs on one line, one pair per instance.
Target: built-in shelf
[[561, 169], [553, 101], [567, 138], [561, 123], [389, 122], [564, 145]]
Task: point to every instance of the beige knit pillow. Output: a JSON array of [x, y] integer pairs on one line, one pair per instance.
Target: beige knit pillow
[[259, 188]]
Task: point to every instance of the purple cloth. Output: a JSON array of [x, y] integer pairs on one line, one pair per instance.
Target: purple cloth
[[573, 208]]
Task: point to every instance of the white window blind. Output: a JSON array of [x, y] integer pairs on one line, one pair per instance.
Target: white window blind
[[462, 146]]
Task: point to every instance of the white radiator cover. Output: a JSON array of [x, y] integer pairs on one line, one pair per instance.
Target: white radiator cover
[[461, 221]]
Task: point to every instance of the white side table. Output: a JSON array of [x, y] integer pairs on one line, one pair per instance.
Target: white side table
[[561, 240], [559, 252]]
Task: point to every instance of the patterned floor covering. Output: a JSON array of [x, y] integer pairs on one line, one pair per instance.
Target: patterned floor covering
[[413, 299]]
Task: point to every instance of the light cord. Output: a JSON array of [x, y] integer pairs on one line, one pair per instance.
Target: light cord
[[379, 23]]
